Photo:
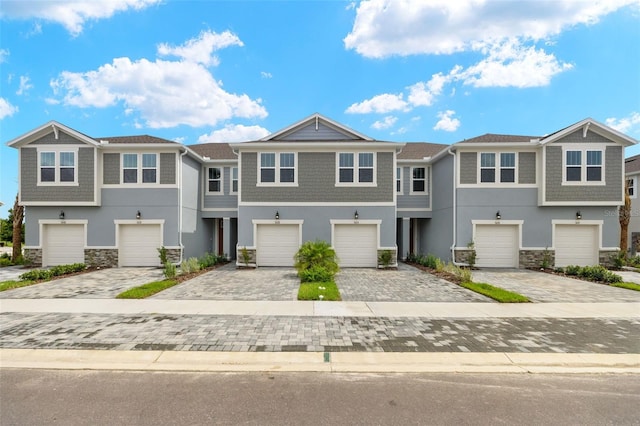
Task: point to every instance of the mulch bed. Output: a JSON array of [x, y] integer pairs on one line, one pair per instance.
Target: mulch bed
[[440, 274]]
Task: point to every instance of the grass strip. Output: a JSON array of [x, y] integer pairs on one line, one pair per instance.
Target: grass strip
[[313, 291], [11, 284], [496, 293], [630, 286], [146, 290]]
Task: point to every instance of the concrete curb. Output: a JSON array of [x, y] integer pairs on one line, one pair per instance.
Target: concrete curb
[[335, 362]]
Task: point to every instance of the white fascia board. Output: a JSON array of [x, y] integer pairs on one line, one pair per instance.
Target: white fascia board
[[44, 130], [314, 146], [596, 127]]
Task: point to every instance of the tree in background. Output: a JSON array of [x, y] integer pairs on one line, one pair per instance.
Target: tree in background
[[18, 216], [624, 214]]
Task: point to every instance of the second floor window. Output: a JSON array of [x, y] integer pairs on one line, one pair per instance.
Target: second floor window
[[277, 168], [357, 168], [234, 179], [487, 167], [418, 179], [215, 180], [57, 167], [497, 167], [399, 180], [508, 167], [631, 187], [583, 166], [139, 168]]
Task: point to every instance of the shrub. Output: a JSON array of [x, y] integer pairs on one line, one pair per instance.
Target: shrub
[[4, 261], [162, 253], [385, 258], [210, 259], [471, 259], [634, 261], [190, 265], [430, 261], [315, 274], [37, 275], [619, 259], [440, 265], [170, 270], [316, 253], [559, 270], [572, 270], [546, 259], [67, 269], [246, 257], [412, 258]]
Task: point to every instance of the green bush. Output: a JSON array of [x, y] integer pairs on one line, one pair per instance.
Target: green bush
[[170, 270], [315, 274], [56, 271], [37, 275], [162, 253], [190, 265], [619, 259], [572, 270], [316, 253], [593, 273], [430, 261], [210, 259], [412, 258], [385, 258], [4, 261], [559, 270], [634, 261]]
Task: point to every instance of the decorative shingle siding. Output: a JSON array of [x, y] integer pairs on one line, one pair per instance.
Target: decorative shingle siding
[[526, 167], [576, 137], [30, 191], [316, 181], [324, 133], [111, 169], [63, 139], [612, 191], [468, 167], [167, 168]]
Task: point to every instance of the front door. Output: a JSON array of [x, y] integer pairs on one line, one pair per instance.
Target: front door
[[220, 236]]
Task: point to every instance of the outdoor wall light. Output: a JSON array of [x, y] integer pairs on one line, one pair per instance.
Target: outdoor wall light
[[277, 215], [61, 215], [355, 215], [138, 215], [498, 215], [578, 215]]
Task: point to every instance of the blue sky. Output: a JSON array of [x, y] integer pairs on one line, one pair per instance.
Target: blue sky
[[400, 70]]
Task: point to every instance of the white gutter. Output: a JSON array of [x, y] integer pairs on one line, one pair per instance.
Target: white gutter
[[186, 151]]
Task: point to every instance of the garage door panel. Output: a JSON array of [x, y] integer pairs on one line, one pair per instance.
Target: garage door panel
[[138, 245], [356, 245], [496, 246], [576, 245], [63, 244], [277, 244]]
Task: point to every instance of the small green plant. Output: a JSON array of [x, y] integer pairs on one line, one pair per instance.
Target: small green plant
[[316, 253], [385, 258], [619, 259], [412, 258], [316, 273], [546, 259], [471, 258], [162, 253], [573, 270], [246, 257], [190, 265], [56, 271], [170, 270], [439, 265]]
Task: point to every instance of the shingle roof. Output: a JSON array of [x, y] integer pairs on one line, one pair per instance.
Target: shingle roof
[[215, 151], [632, 164], [142, 139], [419, 150], [495, 138]]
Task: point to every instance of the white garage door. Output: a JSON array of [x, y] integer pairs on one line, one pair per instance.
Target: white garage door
[[576, 245], [356, 245], [62, 244], [138, 245], [496, 246], [277, 244]]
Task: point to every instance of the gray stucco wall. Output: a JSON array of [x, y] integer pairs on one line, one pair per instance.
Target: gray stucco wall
[[197, 233], [317, 221], [415, 201], [316, 181], [521, 204], [226, 200], [324, 133], [435, 235], [30, 191], [612, 191]]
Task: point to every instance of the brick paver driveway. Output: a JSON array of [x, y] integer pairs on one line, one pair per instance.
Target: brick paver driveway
[[102, 284], [543, 287], [407, 284]]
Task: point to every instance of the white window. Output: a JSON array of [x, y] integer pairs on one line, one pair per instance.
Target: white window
[[583, 166], [57, 167], [278, 168], [631, 187], [418, 180], [487, 167], [214, 183], [399, 180], [508, 167], [234, 180], [139, 168], [356, 169], [497, 167]]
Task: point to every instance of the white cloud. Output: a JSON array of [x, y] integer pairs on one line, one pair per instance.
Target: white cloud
[[380, 104], [4, 53], [24, 85], [629, 124], [163, 93], [200, 49], [235, 133], [408, 27], [447, 122], [385, 123], [6, 109], [265, 74], [73, 15]]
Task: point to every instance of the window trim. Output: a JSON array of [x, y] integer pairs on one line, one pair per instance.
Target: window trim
[[501, 167], [356, 169], [426, 181], [236, 180], [139, 168], [398, 180], [276, 181], [57, 151], [497, 168], [634, 185], [221, 192], [583, 166]]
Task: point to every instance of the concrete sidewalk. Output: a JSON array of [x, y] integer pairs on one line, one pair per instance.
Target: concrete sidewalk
[[320, 362], [323, 309]]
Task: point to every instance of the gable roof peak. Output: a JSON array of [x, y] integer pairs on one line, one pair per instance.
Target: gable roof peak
[[317, 120]]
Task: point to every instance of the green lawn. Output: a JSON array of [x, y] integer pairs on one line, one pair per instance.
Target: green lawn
[[11, 284], [496, 293], [630, 286], [313, 291], [147, 290]]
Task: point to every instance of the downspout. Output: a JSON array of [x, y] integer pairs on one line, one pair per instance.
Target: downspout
[[180, 207], [454, 208]]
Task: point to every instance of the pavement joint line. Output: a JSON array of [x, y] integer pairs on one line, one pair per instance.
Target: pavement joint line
[[338, 362]]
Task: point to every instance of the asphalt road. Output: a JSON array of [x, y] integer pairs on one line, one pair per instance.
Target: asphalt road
[[34, 397]]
